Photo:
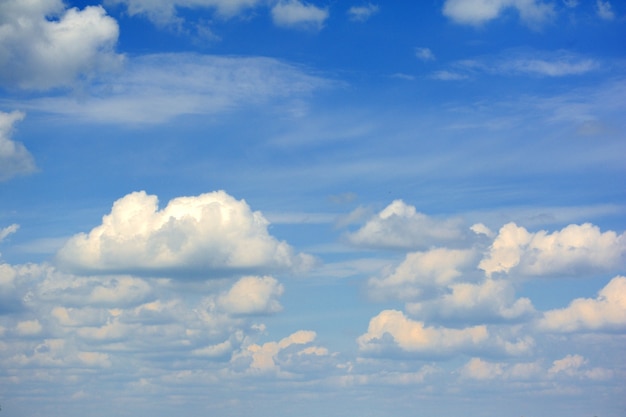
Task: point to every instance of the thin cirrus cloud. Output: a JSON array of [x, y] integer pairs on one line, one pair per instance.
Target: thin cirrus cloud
[[178, 84], [41, 54], [206, 235]]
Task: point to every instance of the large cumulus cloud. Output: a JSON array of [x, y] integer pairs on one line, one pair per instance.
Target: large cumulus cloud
[[43, 45], [206, 235]]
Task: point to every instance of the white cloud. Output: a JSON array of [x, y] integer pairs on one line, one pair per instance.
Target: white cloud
[[14, 157], [400, 226], [176, 84], [252, 295], [604, 10], [482, 301], [478, 12], [392, 329], [6, 231], [164, 11], [204, 235], [362, 13], [574, 366], [606, 312], [445, 75], [28, 328], [573, 250], [424, 54], [420, 271], [480, 369], [40, 54], [296, 14]]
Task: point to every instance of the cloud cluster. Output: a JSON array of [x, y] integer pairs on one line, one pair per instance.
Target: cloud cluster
[[44, 46], [14, 157], [572, 250], [210, 235]]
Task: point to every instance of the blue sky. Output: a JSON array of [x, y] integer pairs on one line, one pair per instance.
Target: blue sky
[[279, 207]]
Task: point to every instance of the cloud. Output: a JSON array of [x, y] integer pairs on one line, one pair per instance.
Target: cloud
[[604, 10], [421, 271], [38, 53], [574, 250], [252, 295], [206, 235], [478, 12], [488, 300], [574, 366], [362, 13], [606, 312], [296, 14], [164, 11], [178, 84], [391, 329], [4, 232], [424, 54], [479, 369], [14, 157], [400, 226]]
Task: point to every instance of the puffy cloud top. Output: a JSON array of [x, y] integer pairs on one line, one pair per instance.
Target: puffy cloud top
[[573, 249], [39, 54], [400, 226], [204, 235]]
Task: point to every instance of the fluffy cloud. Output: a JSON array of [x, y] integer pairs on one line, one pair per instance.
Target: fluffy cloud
[[296, 14], [176, 84], [420, 271], [362, 13], [424, 54], [480, 369], [604, 10], [573, 250], [38, 54], [400, 226], [205, 235], [604, 313], [14, 158], [488, 300], [478, 12], [392, 329], [252, 295], [164, 11]]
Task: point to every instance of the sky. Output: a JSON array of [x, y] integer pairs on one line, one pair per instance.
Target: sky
[[313, 208]]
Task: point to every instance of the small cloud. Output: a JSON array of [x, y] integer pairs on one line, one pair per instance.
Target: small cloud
[[298, 15], [14, 157], [362, 13], [424, 54], [445, 75], [570, 3], [605, 10], [8, 230], [479, 12]]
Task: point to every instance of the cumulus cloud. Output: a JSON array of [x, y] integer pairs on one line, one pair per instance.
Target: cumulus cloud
[[14, 157], [478, 12], [604, 10], [479, 369], [421, 271], [575, 366], [39, 53], [391, 329], [278, 357], [296, 14], [573, 250], [401, 226], [362, 13], [164, 11], [177, 84], [488, 300], [606, 312], [203, 236], [252, 295]]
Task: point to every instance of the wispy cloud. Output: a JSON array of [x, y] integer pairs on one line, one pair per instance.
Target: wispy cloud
[[362, 13]]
